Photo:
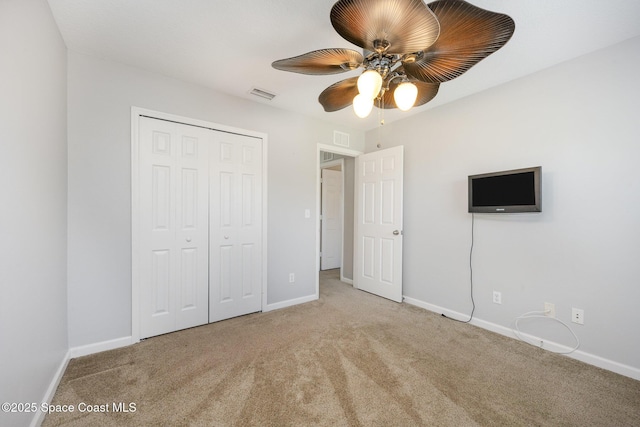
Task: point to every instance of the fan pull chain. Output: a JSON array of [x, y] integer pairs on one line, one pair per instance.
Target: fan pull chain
[[380, 120]]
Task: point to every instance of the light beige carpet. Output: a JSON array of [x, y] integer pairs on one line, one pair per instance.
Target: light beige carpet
[[348, 359]]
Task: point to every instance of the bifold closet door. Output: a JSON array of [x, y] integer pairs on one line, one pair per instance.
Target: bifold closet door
[[235, 235], [174, 208]]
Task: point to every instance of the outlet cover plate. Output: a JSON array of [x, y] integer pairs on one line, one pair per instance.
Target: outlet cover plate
[[577, 316], [549, 309], [497, 297]]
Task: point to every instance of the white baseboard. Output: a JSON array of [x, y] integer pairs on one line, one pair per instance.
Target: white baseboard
[[345, 280], [88, 349], [591, 359], [72, 353], [289, 303], [51, 390]]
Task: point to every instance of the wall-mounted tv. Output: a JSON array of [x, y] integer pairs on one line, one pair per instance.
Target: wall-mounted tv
[[517, 190]]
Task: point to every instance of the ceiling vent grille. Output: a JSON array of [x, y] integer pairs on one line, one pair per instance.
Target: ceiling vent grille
[[262, 93]]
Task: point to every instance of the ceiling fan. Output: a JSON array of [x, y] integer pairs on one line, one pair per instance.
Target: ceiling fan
[[409, 48]]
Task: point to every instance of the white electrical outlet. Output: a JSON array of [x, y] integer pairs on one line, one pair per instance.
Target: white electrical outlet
[[497, 297], [292, 277], [549, 309], [577, 316]]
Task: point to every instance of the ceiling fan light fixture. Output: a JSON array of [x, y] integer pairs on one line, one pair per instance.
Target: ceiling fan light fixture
[[405, 95], [370, 83], [362, 105], [426, 44]]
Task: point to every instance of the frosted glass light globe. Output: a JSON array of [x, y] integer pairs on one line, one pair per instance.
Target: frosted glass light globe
[[405, 95], [370, 83], [362, 105]]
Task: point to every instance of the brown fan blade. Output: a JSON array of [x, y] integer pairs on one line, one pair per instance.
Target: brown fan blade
[[426, 92], [323, 61], [407, 25], [339, 95], [468, 34]]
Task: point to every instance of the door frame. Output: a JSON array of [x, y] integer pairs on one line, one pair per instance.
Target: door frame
[[328, 165], [136, 113], [336, 150]]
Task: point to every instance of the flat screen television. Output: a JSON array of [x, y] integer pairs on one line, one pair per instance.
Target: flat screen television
[[517, 190]]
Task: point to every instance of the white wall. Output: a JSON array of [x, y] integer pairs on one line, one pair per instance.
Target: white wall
[[579, 121], [33, 213], [100, 98]]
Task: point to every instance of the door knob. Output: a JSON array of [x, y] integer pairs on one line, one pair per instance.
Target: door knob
[[396, 232], [188, 239]]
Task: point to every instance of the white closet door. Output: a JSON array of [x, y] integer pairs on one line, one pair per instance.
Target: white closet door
[[235, 254], [173, 226]]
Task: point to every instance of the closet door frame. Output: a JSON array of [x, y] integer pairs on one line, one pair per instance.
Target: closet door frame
[[136, 113]]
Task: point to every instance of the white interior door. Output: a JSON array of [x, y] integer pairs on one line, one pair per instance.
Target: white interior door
[[331, 222], [235, 257], [173, 226], [378, 243]]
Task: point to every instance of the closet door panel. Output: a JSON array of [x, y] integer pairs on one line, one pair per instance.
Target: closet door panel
[[173, 226], [235, 226], [198, 225]]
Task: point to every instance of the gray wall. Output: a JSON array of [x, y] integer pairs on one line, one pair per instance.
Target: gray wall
[[33, 212], [100, 98], [579, 121]]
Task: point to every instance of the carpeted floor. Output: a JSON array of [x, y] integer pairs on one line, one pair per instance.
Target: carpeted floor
[[348, 359]]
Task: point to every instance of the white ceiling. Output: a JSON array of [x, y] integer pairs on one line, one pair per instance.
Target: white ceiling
[[229, 45]]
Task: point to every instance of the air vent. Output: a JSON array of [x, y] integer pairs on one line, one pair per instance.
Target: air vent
[[326, 157], [262, 93], [340, 138]]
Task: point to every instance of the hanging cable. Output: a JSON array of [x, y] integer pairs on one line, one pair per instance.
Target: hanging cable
[[473, 303], [541, 315]]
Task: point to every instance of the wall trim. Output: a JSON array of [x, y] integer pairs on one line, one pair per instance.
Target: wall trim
[[591, 359], [289, 303], [38, 418], [72, 353], [85, 350]]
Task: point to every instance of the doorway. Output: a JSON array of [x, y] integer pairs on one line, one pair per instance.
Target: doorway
[[332, 156], [332, 214]]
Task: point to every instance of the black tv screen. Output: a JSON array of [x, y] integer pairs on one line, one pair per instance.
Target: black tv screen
[[516, 190]]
